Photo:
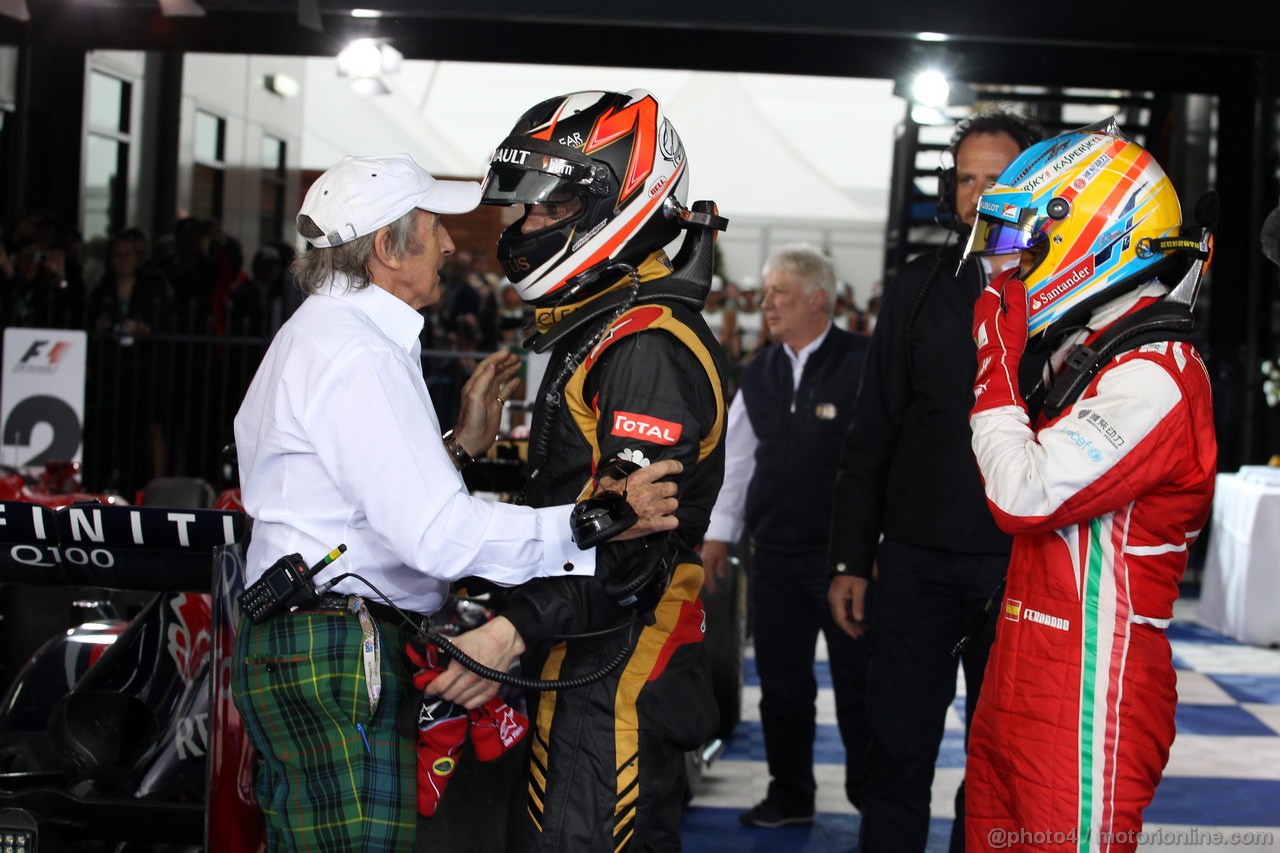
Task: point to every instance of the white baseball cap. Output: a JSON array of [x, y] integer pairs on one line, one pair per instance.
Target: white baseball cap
[[361, 194]]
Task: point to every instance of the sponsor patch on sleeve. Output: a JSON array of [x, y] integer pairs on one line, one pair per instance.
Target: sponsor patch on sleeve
[[645, 428]]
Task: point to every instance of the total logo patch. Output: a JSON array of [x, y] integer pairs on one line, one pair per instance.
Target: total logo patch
[[646, 428]]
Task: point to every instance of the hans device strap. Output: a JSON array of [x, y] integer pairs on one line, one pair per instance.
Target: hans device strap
[[1164, 321]]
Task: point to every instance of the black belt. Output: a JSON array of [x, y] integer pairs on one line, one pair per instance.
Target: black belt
[[332, 602]]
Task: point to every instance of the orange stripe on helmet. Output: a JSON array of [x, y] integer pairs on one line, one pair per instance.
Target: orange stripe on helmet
[[640, 117], [1103, 214], [607, 249]]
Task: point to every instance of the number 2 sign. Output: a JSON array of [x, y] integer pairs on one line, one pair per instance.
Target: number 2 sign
[[42, 396]]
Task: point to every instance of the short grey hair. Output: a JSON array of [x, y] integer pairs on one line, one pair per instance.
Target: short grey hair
[[808, 266], [314, 267]]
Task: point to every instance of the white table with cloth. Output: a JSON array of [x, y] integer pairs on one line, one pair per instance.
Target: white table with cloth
[[1240, 591]]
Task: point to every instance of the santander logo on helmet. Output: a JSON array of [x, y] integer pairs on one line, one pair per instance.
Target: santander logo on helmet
[[1056, 289]]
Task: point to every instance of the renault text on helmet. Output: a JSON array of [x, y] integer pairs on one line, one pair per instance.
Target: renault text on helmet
[[615, 153], [1087, 205]]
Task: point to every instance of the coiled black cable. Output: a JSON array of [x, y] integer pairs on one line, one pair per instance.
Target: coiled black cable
[[467, 662]]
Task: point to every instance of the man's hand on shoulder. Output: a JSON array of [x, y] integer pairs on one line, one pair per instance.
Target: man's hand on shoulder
[[654, 502], [483, 396], [495, 644]]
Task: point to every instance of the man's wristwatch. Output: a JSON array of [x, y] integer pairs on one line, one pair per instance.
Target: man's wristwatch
[[461, 458]]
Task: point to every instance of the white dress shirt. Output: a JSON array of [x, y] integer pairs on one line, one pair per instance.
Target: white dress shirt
[[740, 443], [339, 444]]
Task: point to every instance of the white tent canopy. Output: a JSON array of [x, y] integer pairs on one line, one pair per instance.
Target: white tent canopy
[[786, 158]]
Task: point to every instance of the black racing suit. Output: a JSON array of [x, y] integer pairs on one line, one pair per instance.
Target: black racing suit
[[606, 760]]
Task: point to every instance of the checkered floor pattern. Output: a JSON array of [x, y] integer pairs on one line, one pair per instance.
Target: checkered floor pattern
[[1223, 775]]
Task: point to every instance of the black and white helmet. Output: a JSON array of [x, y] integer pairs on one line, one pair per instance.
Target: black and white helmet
[[613, 151]]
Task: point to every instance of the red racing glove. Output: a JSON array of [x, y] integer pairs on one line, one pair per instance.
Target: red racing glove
[[495, 728], [441, 728], [1000, 331]]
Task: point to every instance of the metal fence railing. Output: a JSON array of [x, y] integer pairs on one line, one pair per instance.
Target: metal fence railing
[[163, 404]]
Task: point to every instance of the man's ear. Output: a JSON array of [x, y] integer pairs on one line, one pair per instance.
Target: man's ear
[[381, 249]]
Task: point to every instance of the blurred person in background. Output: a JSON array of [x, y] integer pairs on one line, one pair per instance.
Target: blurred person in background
[[786, 424], [127, 300], [909, 508]]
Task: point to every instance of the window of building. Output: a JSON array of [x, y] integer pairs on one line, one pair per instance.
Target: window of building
[[106, 155], [271, 193], [209, 177]]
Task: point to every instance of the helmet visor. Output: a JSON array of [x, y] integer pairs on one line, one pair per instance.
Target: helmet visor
[[991, 236], [523, 174], [508, 185]]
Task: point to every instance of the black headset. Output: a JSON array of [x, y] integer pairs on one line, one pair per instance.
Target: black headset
[[1024, 130]]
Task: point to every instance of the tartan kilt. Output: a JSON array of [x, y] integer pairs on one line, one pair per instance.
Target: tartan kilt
[[299, 684]]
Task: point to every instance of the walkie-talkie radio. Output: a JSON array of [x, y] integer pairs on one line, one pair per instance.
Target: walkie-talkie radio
[[285, 585]]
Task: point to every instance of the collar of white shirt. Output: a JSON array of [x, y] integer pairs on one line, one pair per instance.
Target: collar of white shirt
[[799, 358], [392, 315]]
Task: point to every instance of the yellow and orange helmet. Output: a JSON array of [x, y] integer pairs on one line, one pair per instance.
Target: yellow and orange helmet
[[1097, 213]]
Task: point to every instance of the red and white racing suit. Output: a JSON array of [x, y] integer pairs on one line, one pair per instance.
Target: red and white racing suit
[[1077, 712]]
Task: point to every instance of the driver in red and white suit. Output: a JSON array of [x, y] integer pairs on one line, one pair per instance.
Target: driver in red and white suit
[[1103, 497]]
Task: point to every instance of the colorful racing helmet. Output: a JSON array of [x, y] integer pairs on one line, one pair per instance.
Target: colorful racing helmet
[[1095, 210], [613, 159]]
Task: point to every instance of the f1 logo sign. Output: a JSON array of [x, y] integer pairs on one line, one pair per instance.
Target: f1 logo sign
[[42, 395], [43, 353]]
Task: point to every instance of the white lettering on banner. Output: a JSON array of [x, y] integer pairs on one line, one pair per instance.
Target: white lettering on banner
[[80, 524], [182, 519], [30, 555], [135, 524]]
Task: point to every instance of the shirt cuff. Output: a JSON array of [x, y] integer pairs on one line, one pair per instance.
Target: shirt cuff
[[562, 558], [723, 529]]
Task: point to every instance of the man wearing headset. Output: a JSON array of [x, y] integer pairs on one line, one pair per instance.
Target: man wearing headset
[[909, 504], [635, 376]]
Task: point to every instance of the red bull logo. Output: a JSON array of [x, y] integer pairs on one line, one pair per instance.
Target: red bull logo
[[190, 633]]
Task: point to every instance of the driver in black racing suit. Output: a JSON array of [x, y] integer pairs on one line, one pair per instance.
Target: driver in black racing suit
[[634, 375]]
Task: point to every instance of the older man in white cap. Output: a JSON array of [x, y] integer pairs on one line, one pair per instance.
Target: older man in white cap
[[337, 445]]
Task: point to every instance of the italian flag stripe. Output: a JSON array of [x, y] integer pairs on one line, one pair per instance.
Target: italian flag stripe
[[1089, 678]]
